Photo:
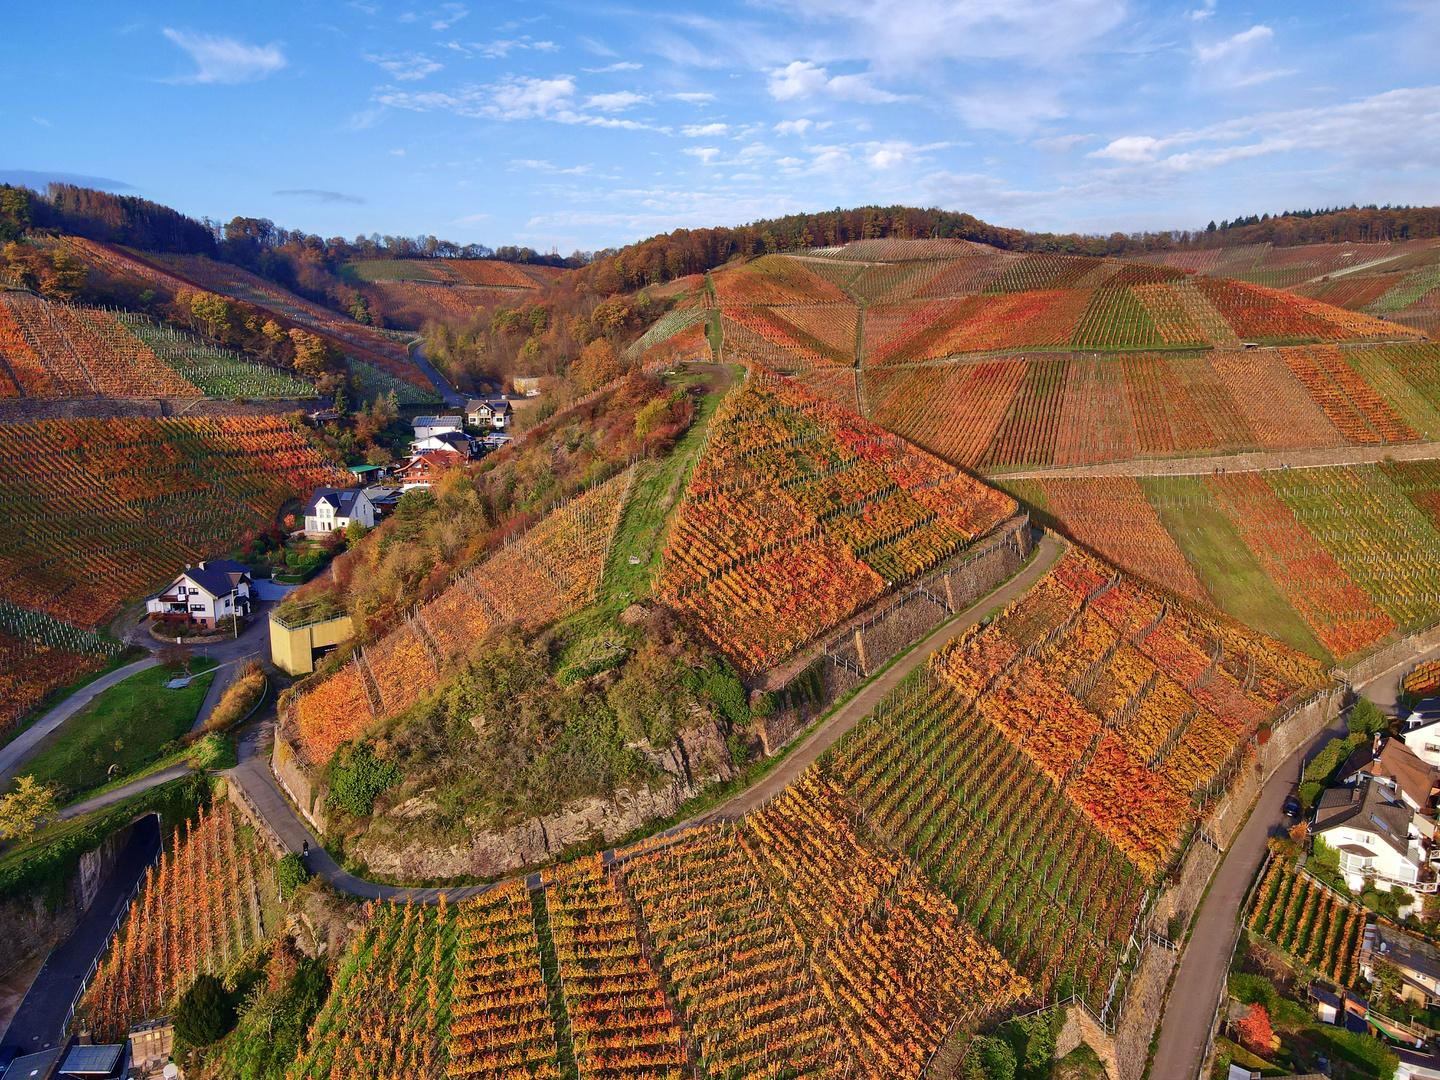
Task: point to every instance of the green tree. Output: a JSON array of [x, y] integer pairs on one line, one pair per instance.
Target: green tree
[[290, 874], [355, 532], [204, 1013], [1366, 718], [990, 1059], [358, 778]]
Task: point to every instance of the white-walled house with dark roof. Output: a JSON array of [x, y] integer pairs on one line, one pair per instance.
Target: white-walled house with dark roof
[[204, 594], [334, 508]]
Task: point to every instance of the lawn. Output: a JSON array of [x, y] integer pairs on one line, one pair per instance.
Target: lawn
[[1226, 566], [128, 727]]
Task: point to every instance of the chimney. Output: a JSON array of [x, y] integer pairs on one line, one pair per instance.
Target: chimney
[[1375, 751]]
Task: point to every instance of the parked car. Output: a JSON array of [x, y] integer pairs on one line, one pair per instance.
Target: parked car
[[1291, 807]]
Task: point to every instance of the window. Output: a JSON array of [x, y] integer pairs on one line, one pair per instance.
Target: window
[[197, 607], [1432, 748]]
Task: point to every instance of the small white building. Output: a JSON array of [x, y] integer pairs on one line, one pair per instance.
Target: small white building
[[425, 426], [529, 385], [335, 508], [1374, 831], [1422, 732], [458, 441], [494, 411], [204, 594]]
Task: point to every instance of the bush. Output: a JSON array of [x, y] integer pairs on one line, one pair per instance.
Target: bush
[[1330, 758], [240, 697], [205, 1013], [213, 752], [1310, 793], [358, 777], [990, 1059], [290, 875]]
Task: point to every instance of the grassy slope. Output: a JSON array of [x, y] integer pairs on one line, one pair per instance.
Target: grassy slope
[[1225, 565], [128, 725]]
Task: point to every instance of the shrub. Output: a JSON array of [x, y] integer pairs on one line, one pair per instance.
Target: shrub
[[1366, 718], [240, 697], [204, 1013], [1310, 792], [1254, 1030], [358, 777], [290, 875], [990, 1059]]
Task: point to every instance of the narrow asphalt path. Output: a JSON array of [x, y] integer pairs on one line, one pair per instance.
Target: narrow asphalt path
[[124, 791], [447, 393], [254, 775], [1205, 963], [38, 1022], [15, 752]]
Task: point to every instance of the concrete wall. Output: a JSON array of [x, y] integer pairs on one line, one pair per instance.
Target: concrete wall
[[292, 651], [306, 794], [1407, 648]]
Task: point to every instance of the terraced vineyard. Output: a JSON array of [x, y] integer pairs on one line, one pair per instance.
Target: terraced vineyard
[[1310, 922], [800, 514]]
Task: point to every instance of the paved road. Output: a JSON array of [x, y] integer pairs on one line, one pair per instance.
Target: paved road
[[124, 791], [253, 769], [448, 393], [41, 1016], [15, 752], [1205, 963], [1256, 462]]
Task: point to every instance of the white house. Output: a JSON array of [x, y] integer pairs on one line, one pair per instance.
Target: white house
[[1374, 831], [1395, 765], [1417, 961], [1422, 732], [425, 426], [334, 508], [204, 594], [458, 441], [495, 411]]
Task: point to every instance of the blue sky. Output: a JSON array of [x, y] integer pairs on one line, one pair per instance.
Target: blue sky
[[593, 124]]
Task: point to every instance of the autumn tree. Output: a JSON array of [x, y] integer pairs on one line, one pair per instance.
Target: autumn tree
[[599, 364], [1254, 1030], [22, 811]]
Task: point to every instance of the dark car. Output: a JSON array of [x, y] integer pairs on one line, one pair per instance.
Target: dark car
[[1291, 808]]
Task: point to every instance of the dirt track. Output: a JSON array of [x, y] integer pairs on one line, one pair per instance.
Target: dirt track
[[1253, 462]]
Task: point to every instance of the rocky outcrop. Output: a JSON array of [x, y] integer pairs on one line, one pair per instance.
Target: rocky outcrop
[[697, 759]]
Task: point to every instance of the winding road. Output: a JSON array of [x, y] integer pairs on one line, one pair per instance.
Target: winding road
[[253, 772]]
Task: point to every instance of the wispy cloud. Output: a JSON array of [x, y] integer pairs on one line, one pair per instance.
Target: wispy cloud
[[407, 66], [41, 121], [522, 98], [616, 102], [1229, 45], [626, 65], [802, 79], [450, 15], [321, 196], [501, 47], [701, 131], [694, 97], [225, 59]]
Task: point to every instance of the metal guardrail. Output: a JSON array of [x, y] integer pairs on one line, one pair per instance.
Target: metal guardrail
[[105, 947]]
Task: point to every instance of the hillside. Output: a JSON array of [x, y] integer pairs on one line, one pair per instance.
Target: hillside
[[1399, 282]]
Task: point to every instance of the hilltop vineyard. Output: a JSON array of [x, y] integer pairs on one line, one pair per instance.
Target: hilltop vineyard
[[799, 514], [96, 512], [554, 567], [198, 911]]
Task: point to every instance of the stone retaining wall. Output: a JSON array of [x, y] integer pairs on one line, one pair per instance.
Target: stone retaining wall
[[875, 637], [1407, 648]]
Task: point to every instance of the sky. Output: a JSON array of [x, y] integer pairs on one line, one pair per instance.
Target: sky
[[586, 125]]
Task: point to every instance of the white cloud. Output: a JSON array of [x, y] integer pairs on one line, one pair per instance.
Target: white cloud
[[1242, 40], [800, 79], [694, 98], [224, 59], [794, 127], [41, 121], [1009, 108], [526, 98], [471, 219], [1061, 144], [397, 153], [500, 48], [453, 13], [321, 196], [700, 131], [1200, 14], [406, 67], [706, 154], [627, 65], [616, 102], [1389, 130]]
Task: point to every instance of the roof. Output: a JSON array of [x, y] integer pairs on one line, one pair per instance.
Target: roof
[[1367, 806], [496, 402], [435, 459], [1415, 1062], [1325, 997], [1406, 951], [97, 1060], [361, 470], [451, 437], [33, 1065], [342, 499], [438, 421], [216, 576], [1395, 762]]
